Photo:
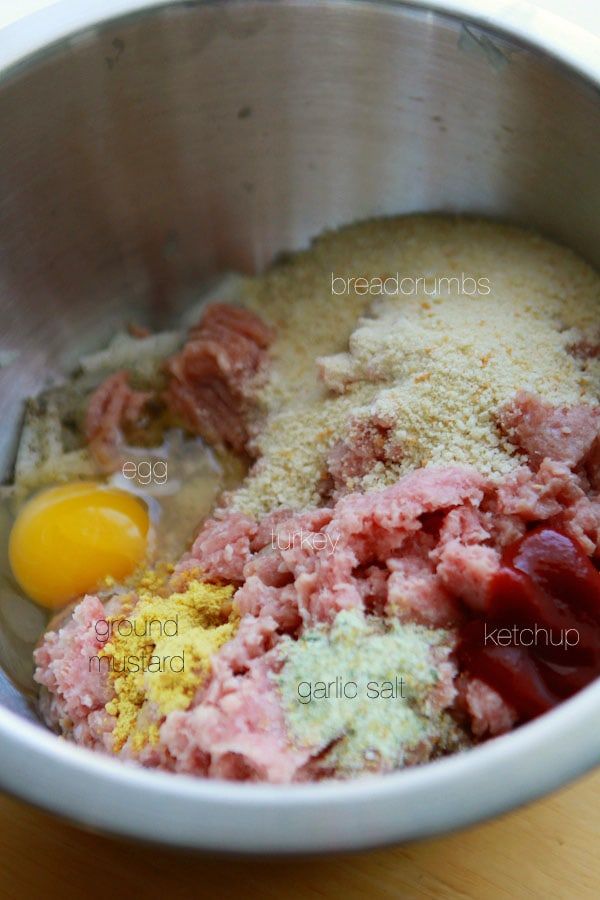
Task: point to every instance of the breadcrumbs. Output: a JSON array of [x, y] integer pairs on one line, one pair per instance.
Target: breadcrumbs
[[436, 367]]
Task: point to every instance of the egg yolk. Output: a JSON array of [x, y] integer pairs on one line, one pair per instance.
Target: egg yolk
[[67, 540]]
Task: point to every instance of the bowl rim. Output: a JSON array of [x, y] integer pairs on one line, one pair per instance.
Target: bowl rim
[[219, 816], [38, 33]]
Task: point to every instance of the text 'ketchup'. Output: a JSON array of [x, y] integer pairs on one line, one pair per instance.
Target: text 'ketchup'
[[539, 640]]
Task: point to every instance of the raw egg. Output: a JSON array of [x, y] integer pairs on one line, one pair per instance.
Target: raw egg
[[67, 540]]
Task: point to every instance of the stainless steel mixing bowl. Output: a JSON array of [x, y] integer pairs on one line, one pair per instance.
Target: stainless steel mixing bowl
[[145, 147]]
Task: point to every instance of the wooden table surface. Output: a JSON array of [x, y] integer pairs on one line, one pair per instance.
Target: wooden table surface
[[548, 850]]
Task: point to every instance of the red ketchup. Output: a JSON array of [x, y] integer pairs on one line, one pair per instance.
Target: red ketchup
[[538, 641]]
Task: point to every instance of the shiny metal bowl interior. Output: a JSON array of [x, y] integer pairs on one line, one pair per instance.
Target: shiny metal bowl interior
[[143, 155]]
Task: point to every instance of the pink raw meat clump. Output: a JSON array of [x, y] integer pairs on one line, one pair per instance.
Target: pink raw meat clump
[[211, 385], [423, 550], [211, 380]]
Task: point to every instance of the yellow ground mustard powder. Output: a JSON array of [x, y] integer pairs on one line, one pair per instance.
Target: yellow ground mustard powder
[[159, 652]]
